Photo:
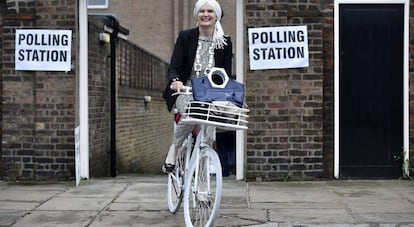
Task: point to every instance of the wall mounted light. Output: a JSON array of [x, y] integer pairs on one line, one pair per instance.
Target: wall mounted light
[[104, 37], [147, 99]]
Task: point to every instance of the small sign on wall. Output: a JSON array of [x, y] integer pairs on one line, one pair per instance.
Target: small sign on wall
[[278, 47], [43, 50]]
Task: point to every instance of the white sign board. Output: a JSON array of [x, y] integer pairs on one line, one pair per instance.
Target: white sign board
[[43, 50], [278, 47]]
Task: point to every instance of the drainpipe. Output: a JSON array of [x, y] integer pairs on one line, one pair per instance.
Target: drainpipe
[[114, 38]]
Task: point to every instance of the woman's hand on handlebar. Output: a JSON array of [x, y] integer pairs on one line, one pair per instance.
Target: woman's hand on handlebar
[[176, 85], [185, 90]]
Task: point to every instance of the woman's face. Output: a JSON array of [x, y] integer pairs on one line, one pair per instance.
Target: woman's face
[[206, 16]]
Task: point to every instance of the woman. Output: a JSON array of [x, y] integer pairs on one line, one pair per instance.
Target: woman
[[196, 51]]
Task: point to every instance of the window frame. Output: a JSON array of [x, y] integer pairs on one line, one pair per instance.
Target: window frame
[[101, 6]]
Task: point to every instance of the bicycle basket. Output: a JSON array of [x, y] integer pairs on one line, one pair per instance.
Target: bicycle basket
[[220, 114]]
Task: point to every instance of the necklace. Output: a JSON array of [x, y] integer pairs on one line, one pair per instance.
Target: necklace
[[198, 64]]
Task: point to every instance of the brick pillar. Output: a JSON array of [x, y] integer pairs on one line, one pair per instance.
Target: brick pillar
[[328, 90], [38, 107], [285, 136]]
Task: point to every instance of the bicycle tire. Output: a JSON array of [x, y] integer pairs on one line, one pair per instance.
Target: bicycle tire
[[176, 183], [201, 207]]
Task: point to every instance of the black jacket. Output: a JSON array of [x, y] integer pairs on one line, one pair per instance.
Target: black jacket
[[183, 56]]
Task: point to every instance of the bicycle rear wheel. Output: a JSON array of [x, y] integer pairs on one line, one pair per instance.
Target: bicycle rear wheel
[[202, 192], [176, 183]]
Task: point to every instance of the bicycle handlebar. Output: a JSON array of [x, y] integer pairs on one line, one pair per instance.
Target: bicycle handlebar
[[185, 90]]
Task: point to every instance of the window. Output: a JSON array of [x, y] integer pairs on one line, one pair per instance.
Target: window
[[97, 4]]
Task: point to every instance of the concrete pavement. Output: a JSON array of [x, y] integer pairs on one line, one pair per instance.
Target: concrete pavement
[[140, 200]]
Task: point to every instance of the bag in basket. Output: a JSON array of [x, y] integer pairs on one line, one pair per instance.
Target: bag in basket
[[203, 91]]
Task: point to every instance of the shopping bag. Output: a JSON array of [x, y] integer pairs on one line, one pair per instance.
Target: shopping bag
[[203, 91]]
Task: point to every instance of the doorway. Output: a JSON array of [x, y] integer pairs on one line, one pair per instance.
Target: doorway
[[371, 90]]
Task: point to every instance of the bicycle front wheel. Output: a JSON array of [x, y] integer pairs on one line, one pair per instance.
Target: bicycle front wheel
[[202, 192], [176, 183]]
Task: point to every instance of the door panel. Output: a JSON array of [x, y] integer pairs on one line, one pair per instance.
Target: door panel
[[371, 90]]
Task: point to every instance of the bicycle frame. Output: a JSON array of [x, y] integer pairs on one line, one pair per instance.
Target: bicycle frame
[[201, 179], [193, 152]]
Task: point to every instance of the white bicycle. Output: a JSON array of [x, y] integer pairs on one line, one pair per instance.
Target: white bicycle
[[197, 178]]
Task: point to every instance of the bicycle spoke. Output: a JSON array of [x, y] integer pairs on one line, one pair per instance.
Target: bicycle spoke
[[175, 184], [202, 202]]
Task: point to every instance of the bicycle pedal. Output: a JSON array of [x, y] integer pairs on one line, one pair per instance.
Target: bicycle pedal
[[168, 168]]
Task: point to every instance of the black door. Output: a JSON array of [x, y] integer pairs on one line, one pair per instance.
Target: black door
[[371, 90]]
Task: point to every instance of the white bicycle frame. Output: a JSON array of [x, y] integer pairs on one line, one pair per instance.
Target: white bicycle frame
[[206, 115], [193, 154]]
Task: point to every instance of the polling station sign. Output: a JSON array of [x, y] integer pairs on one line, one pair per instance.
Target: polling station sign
[[278, 47], [43, 50]]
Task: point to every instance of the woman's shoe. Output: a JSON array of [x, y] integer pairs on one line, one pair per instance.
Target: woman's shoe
[[168, 168]]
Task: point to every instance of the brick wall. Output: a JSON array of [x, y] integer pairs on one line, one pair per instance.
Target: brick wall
[[144, 132], [328, 88], [284, 140], [99, 101], [38, 107]]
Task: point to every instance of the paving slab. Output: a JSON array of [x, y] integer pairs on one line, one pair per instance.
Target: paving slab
[[381, 205], [96, 189], [313, 215], [140, 200], [132, 218], [34, 195], [241, 217], [299, 205], [9, 216], [72, 204], [234, 195], [279, 192], [298, 224], [17, 205], [56, 218], [390, 218], [144, 192]]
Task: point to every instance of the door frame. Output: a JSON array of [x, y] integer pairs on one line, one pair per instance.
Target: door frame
[[240, 134], [406, 4]]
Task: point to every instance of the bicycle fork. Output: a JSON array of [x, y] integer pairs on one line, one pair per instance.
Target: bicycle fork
[[200, 147]]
